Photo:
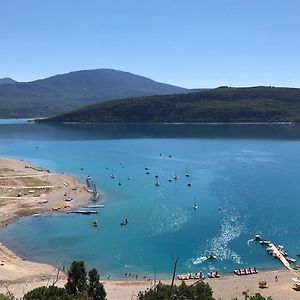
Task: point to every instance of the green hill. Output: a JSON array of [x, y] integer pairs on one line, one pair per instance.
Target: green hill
[[255, 104], [62, 93]]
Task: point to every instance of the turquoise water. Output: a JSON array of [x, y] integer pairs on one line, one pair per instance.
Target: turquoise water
[[250, 172]]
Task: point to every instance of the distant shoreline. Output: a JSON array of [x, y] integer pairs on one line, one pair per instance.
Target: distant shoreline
[[37, 121], [173, 123]]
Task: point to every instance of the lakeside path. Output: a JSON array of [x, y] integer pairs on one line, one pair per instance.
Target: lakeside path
[[20, 276]]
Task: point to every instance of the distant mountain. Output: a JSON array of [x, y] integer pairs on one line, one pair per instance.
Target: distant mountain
[[62, 93], [256, 104], [7, 80]]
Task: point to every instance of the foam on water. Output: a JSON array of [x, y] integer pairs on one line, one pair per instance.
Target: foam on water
[[231, 228]]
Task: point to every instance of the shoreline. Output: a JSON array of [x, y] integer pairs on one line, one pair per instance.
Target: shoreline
[[41, 121], [20, 275], [26, 190]]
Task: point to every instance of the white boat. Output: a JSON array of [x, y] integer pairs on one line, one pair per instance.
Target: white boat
[[195, 206], [264, 242], [42, 201], [257, 237]]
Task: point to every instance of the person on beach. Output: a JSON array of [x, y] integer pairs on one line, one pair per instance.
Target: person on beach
[[276, 278]]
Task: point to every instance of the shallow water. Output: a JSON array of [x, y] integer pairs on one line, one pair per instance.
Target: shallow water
[[245, 180]]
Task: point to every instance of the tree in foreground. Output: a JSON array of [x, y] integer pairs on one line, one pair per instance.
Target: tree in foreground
[[197, 291], [45, 293], [256, 296], [95, 288], [79, 286], [6, 297], [77, 280]]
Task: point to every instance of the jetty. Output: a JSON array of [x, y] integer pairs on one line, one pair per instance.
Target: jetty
[[84, 212], [274, 251], [94, 206]]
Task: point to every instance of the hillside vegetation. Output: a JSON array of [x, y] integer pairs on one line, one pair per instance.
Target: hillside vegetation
[[65, 92], [256, 104]]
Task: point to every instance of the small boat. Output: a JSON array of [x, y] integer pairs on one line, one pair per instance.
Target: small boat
[[237, 272], [42, 201], [253, 271], [175, 176], [156, 176], [257, 237], [94, 206], [213, 275], [211, 257], [187, 174], [247, 271], [189, 184], [125, 222], [292, 260], [298, 254], [183, 277], [195, 206], [156, 183], [147, 173], [112, 176], [94, 223], [170, 179], [265, 242]]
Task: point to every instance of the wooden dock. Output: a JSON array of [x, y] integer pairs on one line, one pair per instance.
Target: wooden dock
[[278, 255], [84, 212]]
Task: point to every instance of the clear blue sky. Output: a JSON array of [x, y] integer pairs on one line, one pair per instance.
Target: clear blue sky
[[191, 43]]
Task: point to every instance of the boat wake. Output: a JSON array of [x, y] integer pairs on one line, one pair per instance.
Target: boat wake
[[231, 229], [199, 260], [250, 241]]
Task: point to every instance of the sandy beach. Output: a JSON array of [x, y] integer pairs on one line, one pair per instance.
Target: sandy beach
[[22, 186], [27, 190], [19, 276]]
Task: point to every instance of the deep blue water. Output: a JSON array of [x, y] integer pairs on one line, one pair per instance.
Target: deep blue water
[[250, 172]]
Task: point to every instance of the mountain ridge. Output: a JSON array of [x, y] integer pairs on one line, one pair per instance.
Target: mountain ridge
[[7, 80], [64, 92]]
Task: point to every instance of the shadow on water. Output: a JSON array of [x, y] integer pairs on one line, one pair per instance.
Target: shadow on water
[[32, 131]]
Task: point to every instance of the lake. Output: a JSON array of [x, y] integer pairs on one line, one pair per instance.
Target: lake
[[245, 179]]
